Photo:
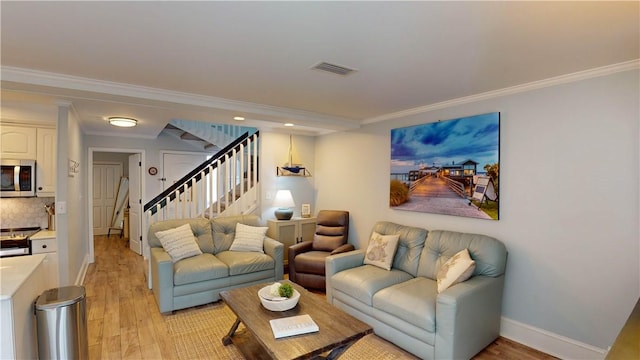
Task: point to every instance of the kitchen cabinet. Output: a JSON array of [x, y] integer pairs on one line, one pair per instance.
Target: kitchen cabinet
[[44, 242], [23, 280], [46, 162], [31, 142], [290, 232], [17, 142]]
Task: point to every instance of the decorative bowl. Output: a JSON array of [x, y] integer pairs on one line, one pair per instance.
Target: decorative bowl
[[277, 303]]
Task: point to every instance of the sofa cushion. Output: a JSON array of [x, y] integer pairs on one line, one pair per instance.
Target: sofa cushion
[[332, 230], [413, 301], [457, 269], [311, 262], [364, 281], [248, 238], [246, 262], [410, 244], [201, 228], [179, 242], [489, 254], [224, 230], [381, 250], [199, 268]]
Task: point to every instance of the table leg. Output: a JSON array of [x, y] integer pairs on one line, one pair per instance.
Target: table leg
[[336, 352], [226, 340]]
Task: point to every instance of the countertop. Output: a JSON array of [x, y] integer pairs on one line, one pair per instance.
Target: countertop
[[43, 234], [14, 271]]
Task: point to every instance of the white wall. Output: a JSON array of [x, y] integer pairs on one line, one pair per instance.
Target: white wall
[[569, 213], [275, 152], [71, 230], [153, 157]]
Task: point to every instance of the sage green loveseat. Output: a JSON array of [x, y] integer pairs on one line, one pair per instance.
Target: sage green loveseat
[[403, 305], [199, 279]]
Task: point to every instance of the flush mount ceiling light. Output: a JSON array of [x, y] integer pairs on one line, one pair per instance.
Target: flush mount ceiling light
[[123, 122], [288, 124], [238, 118]]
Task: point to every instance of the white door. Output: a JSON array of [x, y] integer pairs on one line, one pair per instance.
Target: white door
[[106, 178], [135, 204], [174, 167]]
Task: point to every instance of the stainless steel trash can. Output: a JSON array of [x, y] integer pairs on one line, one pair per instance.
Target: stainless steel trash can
[[61, 320]]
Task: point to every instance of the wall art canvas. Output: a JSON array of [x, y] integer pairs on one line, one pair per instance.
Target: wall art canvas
[[448, 167]]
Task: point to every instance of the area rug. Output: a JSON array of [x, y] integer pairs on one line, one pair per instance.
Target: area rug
[[197, 334]]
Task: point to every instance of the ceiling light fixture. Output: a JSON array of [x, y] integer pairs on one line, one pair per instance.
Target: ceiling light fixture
[[123, 122], [239, 118], [288, 124]]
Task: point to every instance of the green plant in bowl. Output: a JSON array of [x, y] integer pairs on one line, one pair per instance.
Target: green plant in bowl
[[285, 290]]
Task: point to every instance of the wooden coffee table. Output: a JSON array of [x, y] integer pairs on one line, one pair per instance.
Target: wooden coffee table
[[338, 330]]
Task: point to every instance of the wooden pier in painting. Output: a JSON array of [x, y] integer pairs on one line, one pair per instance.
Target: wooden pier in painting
[[433, 194], [433, 187]]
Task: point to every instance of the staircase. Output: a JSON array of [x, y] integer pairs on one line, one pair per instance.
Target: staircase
[[205, 136], [227, 183]]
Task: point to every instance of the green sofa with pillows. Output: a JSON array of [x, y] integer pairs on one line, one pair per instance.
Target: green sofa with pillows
[[193, 260], [436, 294]]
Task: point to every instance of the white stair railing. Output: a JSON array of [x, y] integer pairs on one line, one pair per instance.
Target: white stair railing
[[225, 184]]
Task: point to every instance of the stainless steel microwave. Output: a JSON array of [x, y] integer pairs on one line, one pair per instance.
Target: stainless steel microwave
[[18, 178]]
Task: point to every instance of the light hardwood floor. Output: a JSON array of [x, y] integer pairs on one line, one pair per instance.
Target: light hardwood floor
[[124, 321]]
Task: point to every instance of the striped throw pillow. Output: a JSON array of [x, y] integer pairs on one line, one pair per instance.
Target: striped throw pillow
[[248, 238], [179, 242]]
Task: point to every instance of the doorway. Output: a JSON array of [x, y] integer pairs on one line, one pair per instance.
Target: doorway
[[106, 176], [130, 163]]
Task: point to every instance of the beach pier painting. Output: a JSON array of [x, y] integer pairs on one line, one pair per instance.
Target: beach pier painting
[[447, 167]]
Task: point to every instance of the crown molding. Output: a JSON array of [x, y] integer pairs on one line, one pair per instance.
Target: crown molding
[[562, 79], [48, 79]]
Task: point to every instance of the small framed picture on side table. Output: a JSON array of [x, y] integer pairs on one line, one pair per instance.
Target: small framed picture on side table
[[306, 210]]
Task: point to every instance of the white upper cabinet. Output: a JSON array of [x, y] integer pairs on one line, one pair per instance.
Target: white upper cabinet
[[17, 142], [30, 142], [46, 162]]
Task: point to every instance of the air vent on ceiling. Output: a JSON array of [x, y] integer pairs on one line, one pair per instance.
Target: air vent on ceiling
[[333, 68]]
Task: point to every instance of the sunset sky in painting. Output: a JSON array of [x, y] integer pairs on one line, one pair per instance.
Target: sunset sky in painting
[[445, 142]]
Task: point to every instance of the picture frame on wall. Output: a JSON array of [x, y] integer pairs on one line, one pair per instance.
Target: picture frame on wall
[[448, 167]]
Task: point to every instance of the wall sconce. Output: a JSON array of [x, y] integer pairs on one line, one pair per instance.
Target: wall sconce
[[284, 203]]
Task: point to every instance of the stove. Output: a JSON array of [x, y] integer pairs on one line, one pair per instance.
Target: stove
[[15, 241]]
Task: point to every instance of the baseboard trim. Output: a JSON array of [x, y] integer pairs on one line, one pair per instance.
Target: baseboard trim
[[83, 271], [548, 342]]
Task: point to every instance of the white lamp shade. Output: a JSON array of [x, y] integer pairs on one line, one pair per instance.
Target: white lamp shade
[[283, 199]]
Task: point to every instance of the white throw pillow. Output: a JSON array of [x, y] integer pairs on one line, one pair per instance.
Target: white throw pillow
[[457, 269], [248, 238], [381, 250], [179, 242]]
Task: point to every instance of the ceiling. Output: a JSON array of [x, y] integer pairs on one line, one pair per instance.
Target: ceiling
[[209, 61]]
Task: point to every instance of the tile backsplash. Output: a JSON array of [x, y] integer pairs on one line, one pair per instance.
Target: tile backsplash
[[24, 212]]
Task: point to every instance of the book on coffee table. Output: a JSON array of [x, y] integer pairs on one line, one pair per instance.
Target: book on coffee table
[[293, 325]]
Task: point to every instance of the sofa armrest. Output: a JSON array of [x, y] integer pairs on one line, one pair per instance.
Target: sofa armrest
[[275, 249], [299, 248], [162, 279], [339, 262], [471, 310], [343, 248]]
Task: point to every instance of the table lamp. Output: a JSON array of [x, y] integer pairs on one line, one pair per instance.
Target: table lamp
[[284, 203]]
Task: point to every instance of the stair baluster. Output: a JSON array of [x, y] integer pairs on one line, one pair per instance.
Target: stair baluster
[[227, 182]]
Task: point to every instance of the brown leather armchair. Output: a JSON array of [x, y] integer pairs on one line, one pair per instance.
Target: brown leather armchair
[[306, 259]]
